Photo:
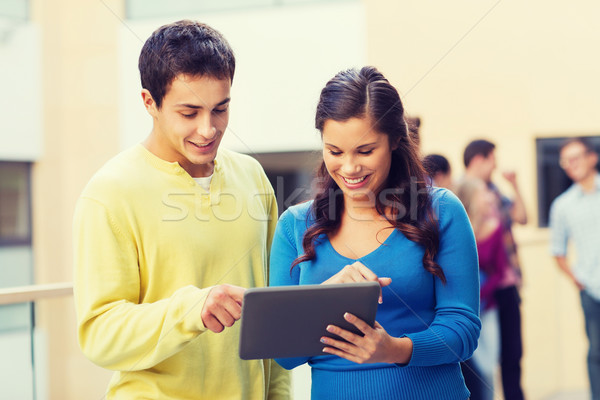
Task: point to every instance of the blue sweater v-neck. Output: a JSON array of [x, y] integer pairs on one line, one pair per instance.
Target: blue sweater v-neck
[[441, 319]]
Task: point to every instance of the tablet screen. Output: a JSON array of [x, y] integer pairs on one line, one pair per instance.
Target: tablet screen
[[289, 321]]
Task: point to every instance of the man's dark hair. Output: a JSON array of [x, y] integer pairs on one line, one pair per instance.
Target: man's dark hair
[[475, 148], [435, 163], [582, 140], [183, 47]]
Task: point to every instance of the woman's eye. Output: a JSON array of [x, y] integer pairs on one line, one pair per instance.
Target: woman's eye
[[335, 153], [365, 152]]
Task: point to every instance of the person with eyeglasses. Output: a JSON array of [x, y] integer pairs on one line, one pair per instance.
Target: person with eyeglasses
[[575, 216]]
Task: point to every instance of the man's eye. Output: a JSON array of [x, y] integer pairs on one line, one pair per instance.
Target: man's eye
[[192, 115], [220, 111]]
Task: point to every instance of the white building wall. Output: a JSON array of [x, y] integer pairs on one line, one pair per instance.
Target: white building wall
[[284, 56], [21, 88]]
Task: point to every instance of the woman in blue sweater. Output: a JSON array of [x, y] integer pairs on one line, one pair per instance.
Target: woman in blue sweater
[[374, 218]]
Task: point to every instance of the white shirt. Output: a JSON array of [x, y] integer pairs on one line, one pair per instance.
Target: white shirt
[[204, 182]]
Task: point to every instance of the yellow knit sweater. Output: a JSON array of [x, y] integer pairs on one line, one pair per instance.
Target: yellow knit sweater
[[149, 244]]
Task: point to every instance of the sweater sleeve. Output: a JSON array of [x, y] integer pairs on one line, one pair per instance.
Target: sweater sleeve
[[114, 330], [283, 253], [453, 333], [279, 382]]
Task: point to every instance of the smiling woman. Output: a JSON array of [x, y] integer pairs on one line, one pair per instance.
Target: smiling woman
[[374, 219], [356, 156]]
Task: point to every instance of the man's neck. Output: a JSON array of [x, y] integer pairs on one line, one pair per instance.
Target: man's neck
[[473, 174], [588, 184]]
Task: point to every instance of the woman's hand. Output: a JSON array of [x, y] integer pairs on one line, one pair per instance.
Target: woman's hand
[[374, 347], [357, 272]]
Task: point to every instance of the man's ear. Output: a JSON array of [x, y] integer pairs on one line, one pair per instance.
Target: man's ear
[[149, 102], [478, 158]]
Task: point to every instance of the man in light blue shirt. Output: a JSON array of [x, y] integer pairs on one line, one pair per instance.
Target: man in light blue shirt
[[575, 215]]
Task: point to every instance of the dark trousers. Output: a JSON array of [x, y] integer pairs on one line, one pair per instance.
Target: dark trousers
[[591, 312], [511, 345], [479, 390]]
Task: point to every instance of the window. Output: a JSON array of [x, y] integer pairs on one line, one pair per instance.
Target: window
[[14, 10], [140, 9], [291, 175], [15, 214], [552, 180]]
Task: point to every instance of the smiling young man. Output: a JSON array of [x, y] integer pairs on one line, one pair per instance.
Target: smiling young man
[[169, 233], [575, 215]]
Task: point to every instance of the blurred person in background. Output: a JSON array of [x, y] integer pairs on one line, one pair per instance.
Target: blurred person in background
[[162, 256], [439, 171], [480, 203], [575, 215], [480, 162]]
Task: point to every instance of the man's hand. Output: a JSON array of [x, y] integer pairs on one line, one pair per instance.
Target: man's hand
[[518, 213], [511, 177], [222, 307], [566, 268]]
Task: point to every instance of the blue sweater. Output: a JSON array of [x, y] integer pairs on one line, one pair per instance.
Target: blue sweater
[[441, 319]]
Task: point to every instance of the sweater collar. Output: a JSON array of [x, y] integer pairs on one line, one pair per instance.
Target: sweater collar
[[174, 168]]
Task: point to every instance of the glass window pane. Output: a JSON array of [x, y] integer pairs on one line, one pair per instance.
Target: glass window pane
[[552, 180], [137, 9], [14, 203], [14, 9]]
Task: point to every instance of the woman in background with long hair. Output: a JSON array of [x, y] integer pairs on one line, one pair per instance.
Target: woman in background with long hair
[[480, 204]]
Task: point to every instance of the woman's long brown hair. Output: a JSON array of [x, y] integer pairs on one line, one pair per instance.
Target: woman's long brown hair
[[405, 202]]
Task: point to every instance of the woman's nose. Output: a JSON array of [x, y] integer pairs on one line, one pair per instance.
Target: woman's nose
[[350, 166]]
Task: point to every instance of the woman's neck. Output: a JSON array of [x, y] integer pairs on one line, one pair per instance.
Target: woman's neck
[[362, 208]]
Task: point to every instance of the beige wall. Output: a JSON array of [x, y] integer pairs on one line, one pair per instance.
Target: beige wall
[[508, 71], [80, 133]]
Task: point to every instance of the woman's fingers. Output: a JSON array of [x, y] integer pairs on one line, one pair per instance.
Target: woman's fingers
[[384, 281], [358, 272], [365, 272]]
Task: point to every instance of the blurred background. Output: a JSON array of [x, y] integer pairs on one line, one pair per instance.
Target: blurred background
[[521, 74]]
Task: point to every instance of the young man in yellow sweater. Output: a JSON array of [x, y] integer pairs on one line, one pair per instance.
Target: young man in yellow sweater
[[169, 233]]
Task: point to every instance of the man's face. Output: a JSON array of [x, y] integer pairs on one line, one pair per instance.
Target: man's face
[[190, 124], [577, 162]]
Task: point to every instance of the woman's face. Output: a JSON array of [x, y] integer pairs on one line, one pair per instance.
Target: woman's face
[[357, 157]]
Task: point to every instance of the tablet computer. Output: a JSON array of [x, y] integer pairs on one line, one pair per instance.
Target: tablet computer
[[289, 321]]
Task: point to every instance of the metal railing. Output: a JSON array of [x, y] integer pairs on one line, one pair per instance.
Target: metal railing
[[25, 294]]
